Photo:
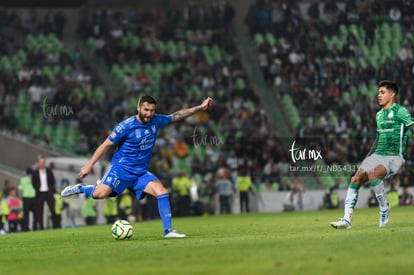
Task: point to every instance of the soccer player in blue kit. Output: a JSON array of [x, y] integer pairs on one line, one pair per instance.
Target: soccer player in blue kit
[[135, 138]]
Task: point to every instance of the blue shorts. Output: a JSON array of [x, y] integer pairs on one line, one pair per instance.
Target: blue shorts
[[119, 180]]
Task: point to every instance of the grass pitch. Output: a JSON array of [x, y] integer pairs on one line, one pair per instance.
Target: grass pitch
[[271, 243]]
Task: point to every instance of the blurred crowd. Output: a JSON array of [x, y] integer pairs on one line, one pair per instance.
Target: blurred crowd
[[327, 89], [25, 70], [225, 136]]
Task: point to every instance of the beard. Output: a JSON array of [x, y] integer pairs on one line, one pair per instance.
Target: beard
[[143, 119]]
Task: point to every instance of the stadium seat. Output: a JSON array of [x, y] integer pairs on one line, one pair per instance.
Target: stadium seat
[[37, 125], [270, 39], [98, 93], [91, 44], [240, 84], [258, 39]]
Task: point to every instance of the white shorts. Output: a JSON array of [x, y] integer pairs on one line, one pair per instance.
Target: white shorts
[[393, 164]]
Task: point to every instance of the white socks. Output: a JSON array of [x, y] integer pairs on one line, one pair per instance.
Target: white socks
[[381, 196], [351, 200]]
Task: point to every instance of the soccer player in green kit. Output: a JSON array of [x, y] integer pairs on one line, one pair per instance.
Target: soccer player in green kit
[[386, 156]]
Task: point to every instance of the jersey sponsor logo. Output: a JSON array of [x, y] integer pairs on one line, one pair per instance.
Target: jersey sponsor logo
[[116, 183], [119, 129], [113, 134], [387, 122], [146, 143], [146, 140], [145, 146], [385, 130]]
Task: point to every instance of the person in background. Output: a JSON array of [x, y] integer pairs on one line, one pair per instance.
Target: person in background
[[4, 212], [284, 185], [59, 206], [89, 211], [181, 186], [330, 199], [207, 194], [225, 190], [28, 195], [15, 206], [73, 207], [334, 197], [6, 188], [406, 198], [244, 184], [43, 181], [110, 209], [125, 205], [392, 194], [372, 199], [296, 195]]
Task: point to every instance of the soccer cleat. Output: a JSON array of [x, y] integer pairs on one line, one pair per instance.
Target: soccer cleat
[[173, 234], [71, 190], [384, 215], [341, 224]]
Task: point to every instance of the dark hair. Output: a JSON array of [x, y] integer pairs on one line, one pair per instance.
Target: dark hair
[[390, 85], [29, 171], [148, 99]]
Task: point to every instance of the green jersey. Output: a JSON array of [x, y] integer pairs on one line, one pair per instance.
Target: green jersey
[[392, 131]]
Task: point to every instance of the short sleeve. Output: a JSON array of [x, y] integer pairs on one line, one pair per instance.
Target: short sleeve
[[405, 117], [118, 133], [163, 120]]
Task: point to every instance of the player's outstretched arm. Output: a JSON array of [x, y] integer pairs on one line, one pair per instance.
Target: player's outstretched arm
[[99, 152], [184, 113]]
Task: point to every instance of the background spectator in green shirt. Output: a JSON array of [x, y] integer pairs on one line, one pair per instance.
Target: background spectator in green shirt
[[89, 211], [28, 195]]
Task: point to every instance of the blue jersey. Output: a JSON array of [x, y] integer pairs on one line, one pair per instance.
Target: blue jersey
[[136, 142]]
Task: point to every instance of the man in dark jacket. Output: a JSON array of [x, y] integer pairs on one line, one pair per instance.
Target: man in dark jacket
[[43, 181]]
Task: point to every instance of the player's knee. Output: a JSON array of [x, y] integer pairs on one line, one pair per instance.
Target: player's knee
[[361, 177], [162, 190], [155, 188], [373, 177], [357, 180], [98, 195], [101, 192]]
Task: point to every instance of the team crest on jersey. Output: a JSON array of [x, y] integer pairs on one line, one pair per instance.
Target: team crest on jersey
[[153, 128], [138, 133], [391, 114]]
